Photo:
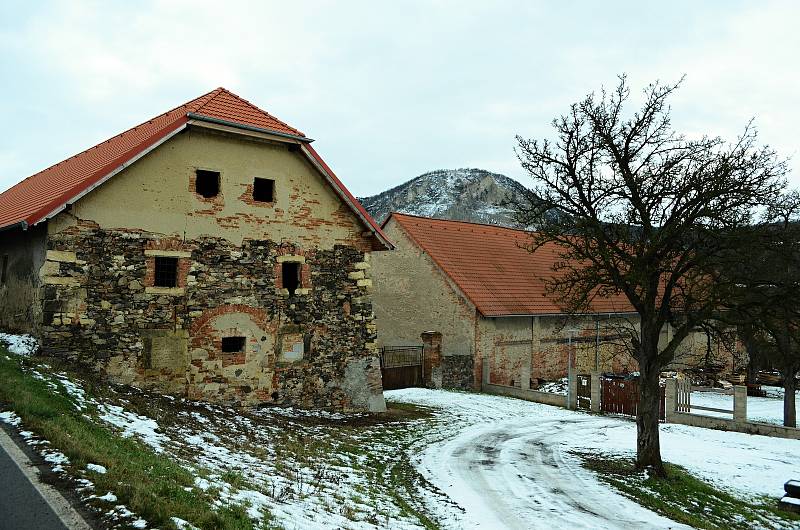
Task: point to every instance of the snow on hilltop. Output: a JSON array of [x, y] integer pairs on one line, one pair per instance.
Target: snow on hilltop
[[462, 194]]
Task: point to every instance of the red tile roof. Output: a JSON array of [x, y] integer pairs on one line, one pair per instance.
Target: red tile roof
[[41, 195], [491, 269]]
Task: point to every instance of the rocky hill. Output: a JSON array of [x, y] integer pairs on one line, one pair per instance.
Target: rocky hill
[[463, 194]]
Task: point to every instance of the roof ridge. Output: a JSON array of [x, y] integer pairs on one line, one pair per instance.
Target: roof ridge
[[210, 96], [220, 90]]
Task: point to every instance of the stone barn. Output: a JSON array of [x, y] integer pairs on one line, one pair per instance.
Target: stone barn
[[486, 295], [208, 252]]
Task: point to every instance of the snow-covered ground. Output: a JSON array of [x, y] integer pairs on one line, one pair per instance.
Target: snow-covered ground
[[19, 344], [759, 409], [511, 464], [473, 461]]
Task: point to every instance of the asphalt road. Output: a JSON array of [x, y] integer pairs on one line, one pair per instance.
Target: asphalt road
[[22, 507]]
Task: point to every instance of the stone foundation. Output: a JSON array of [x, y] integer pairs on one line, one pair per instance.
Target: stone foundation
[[457, 372], [315, 348]]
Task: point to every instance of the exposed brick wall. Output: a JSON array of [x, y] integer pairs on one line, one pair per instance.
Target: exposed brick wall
[[541, 346]]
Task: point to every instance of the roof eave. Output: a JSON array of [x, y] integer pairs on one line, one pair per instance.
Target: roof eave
[[19, 224], [333, 182], [596, 314], [235, 125]]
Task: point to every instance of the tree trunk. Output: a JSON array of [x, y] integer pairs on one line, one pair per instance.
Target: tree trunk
[[789, 409], [648, 447]]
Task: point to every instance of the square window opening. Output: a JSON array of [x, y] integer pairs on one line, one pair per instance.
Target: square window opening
[[206, 183], [4, 270], [166, 272], [233, 344], [290, 273], [263, 190]]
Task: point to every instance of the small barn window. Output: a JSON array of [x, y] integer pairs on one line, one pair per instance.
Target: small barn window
[[166, 272], [290, 273], [4, 270], [263, 190], [233, 344], [206, 183]]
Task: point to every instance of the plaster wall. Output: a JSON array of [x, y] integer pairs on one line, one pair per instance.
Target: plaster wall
[[524, 351], [411, 295], [23, 252], [157, 194]]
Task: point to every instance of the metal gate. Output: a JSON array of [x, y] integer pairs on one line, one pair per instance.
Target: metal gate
[[621, 396], [584, 392], [402, 367]]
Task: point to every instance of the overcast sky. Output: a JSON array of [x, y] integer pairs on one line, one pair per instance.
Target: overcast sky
[[389, 90]]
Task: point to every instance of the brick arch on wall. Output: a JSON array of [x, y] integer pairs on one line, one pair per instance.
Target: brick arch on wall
[[202, 324]]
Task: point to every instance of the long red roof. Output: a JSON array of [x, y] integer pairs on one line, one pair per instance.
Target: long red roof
[[42, 194], [492, 269]]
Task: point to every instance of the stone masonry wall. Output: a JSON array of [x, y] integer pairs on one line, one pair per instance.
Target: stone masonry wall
[[524, 351], [313, 349], [457, 372]]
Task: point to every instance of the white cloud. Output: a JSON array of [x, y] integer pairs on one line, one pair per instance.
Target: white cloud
[[390, 90]]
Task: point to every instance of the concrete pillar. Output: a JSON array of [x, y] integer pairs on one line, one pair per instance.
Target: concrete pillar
[[670, 399], [572, 388], [596, 394], [485, 378], [740, 403], [525, 374], [432, 359]]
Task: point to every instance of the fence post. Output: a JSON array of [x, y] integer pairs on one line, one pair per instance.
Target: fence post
[[670, 399], [596, 391], [740, 404], [432, 358], [572, 388]]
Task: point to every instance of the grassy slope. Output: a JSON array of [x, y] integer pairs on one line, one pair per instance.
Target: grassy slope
[[151, 485], [686, 499]]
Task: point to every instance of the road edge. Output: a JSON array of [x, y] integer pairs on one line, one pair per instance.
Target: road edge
[[60, 505]]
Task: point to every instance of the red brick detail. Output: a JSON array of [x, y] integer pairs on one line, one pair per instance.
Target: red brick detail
[[184, 264], [247, 198], [432, 354], [259, 316], [215, 204], [289, 249]]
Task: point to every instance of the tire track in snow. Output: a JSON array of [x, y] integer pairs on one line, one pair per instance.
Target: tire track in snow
[[517, 475]]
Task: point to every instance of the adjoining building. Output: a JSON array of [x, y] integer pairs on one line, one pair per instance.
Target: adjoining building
[[208, 252], [486, 294]]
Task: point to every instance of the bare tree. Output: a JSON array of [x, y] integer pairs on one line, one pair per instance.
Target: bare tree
[[762, 278], [635, 208]]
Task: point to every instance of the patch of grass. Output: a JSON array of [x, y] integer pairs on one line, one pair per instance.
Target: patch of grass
[[687, 499], [151, 485]]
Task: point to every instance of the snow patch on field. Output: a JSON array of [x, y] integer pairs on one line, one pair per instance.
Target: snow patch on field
[[97, 468], [132, 424], [10, 418], [108, 497], [182, 524], [24, 345]]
